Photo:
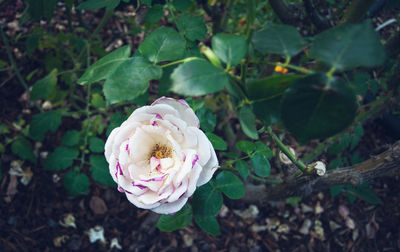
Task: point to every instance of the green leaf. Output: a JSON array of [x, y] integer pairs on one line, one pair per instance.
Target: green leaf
[[243, 168], [154, 14], [263, 150], [248, 121], [260, 165], [43, 122], [130, 79], [206, 201], [163, 44], [41, 8], [76, 183], [266, 94], [365, 193], [217, 142], [335, 163], [197, 77], [207, 119], [193, 28], [229, 48], [336, 190], [356, 158], [182, 5], [61, 159], [358, 132], [97, 101], [105, 66], [348, 46], [360, 83], [315, 108], [245, 146], [43, 88], [179, 220], [96, 144], [340, 145], [280, 39], [23, 149], [208, 224], [71, 138], [32, 43], [230, 185], [115, 121], [100, 171], [98, 4]]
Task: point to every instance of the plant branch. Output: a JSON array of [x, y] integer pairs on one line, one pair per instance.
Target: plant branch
[[356, 11], [377, 166]]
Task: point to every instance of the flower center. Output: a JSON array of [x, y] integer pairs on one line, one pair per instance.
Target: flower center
[[161, 151]]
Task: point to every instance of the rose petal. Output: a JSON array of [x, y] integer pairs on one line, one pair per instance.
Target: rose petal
[[185, 112], [109, 144], [168, 208], [203, 147], [208, 169], [134, 200]]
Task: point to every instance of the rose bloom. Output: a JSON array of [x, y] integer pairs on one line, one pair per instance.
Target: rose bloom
[[159, 155]]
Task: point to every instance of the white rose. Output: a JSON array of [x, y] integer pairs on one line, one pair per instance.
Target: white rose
[[159, 155]]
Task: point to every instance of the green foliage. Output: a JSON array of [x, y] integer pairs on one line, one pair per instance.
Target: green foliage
[[243, 168], [260, 165], [163, 44], [217, 142], [23, 148], [208, 224], [207, 119], [100, 171], [229, 48], [247, 120], [192, 27], [130, 79], [230, 185], [105, 66], [280, 39], [245, 146], [348, 46], [96, 144], [44, 88], [61, 158], [181, 219], [43, 122], [71, 138], [155, 13], [76, 183], [206, 200], [98, 4], [317, 107], [197, 77]]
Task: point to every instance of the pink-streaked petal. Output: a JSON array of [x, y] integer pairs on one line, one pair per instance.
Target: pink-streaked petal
[[186, 168], [134, 200], [208, 169], [203, 147], [179, 123], [112, 165], [149, 198], [179, 191], [185, 112], [193, 178], [122, 135], [169, 208]]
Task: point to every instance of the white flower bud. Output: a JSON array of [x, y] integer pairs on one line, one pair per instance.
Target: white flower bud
[[320, 168]]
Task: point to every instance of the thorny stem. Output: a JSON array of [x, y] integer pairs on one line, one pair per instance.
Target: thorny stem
[[14, 65], [287, 152]]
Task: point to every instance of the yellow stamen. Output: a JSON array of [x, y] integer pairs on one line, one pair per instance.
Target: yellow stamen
[[159, 154]]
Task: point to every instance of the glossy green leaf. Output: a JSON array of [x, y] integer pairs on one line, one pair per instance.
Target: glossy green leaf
[[245, 146], [230, 185], [76, 183], [100, 171], [96, 144], [71, 138], [179, 220], [61, 158], [217, 142], [263, 150], [260, 165], [208, 224], [207, 119], [313, 108], [43, 88], [243, 168], [229, 48], [105, 66], [348, 46], [266, 94], [163, 44], [98, 4], [193, 27], [206, 201], [197, 77], [280, 39], [181, 5], [154, 14], [43, 122], [130, 79], [248, 121], [23, 149]]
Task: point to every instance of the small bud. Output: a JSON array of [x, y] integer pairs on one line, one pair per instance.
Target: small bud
[[278, 69], [284, 159], [319, 168]]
